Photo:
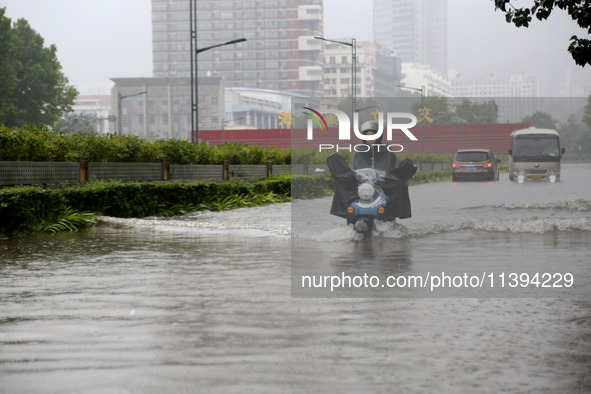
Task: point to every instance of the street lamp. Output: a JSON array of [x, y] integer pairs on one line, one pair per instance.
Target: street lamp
[[194, 76], [119, 98], [236, 41], [364, 108], [353, 46], [422, 90]]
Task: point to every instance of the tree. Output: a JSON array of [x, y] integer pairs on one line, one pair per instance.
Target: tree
[[7, 67], [77, 123], [476, 113], [539, 119], [584, 137], [433, 110], [33, 89], [587, 113], [579, 10], [574, 136]]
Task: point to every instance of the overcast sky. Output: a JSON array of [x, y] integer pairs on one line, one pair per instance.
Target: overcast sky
[[97, 40]]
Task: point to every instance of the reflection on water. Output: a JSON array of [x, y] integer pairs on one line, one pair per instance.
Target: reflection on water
[[203, 303]]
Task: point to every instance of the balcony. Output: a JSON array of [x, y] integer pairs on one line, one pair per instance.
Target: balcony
[[310, 12], [310, 73]]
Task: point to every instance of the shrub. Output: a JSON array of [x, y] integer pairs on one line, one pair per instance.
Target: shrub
[[27, 209], [431, 176], [43, 144], [303, 186]]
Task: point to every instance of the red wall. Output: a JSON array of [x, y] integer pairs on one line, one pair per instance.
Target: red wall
[[431, 139]]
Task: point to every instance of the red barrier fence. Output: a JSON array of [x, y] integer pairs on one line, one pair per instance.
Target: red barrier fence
[[431, 139]]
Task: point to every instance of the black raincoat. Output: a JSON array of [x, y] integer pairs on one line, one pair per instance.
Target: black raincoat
[[395, 185]]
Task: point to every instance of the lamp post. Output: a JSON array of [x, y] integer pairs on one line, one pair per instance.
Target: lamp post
[[422, 90], [119, 98], [364, 108], [236, 41], [194, 77], [353, 46]]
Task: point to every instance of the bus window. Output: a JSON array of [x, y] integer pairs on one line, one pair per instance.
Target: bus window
[[536, 147]]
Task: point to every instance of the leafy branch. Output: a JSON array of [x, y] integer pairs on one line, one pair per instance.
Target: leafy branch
[[579, 11]]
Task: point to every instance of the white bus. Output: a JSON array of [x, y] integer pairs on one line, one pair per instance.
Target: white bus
[[535, 155]]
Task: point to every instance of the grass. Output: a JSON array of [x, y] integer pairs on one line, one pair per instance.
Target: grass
[[242, 201], [68, 220], [229, 202]]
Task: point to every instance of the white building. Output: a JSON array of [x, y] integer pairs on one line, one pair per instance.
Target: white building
[[418, 75], [513, 94], [377, 70], [97, 108], [519, 85], [261, 108]]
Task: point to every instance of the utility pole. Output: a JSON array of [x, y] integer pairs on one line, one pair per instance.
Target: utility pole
[[119, 98]]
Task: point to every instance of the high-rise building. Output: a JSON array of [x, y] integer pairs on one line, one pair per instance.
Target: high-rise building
[[280, 52], [377, 70], [416, 30], [420, 76]]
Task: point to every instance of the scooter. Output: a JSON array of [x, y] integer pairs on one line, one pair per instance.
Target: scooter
[[367, 196], [371, 203]]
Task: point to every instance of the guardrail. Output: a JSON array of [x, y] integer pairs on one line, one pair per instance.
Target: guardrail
[[65, 173], [38, 173]]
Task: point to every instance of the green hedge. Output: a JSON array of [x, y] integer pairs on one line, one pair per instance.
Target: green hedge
[[43, 144], [428, 177], [23, 209], [304, 187]]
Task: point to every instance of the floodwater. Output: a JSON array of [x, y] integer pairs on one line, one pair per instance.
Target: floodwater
[[212, 302]]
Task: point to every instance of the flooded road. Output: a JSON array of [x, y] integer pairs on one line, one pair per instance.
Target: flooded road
[[207, 302], [489, 231]]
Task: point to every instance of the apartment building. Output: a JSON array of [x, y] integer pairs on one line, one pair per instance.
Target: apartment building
[[280, 52]]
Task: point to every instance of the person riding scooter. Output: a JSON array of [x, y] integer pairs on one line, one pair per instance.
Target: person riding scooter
[[393, 183]]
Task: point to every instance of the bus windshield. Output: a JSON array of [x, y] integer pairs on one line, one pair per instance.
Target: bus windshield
[[536, 147]]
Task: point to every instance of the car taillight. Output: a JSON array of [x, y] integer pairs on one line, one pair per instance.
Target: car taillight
[[455, 165], [487, 165]]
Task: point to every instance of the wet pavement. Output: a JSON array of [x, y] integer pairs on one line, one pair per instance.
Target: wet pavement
[[204, 303]]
